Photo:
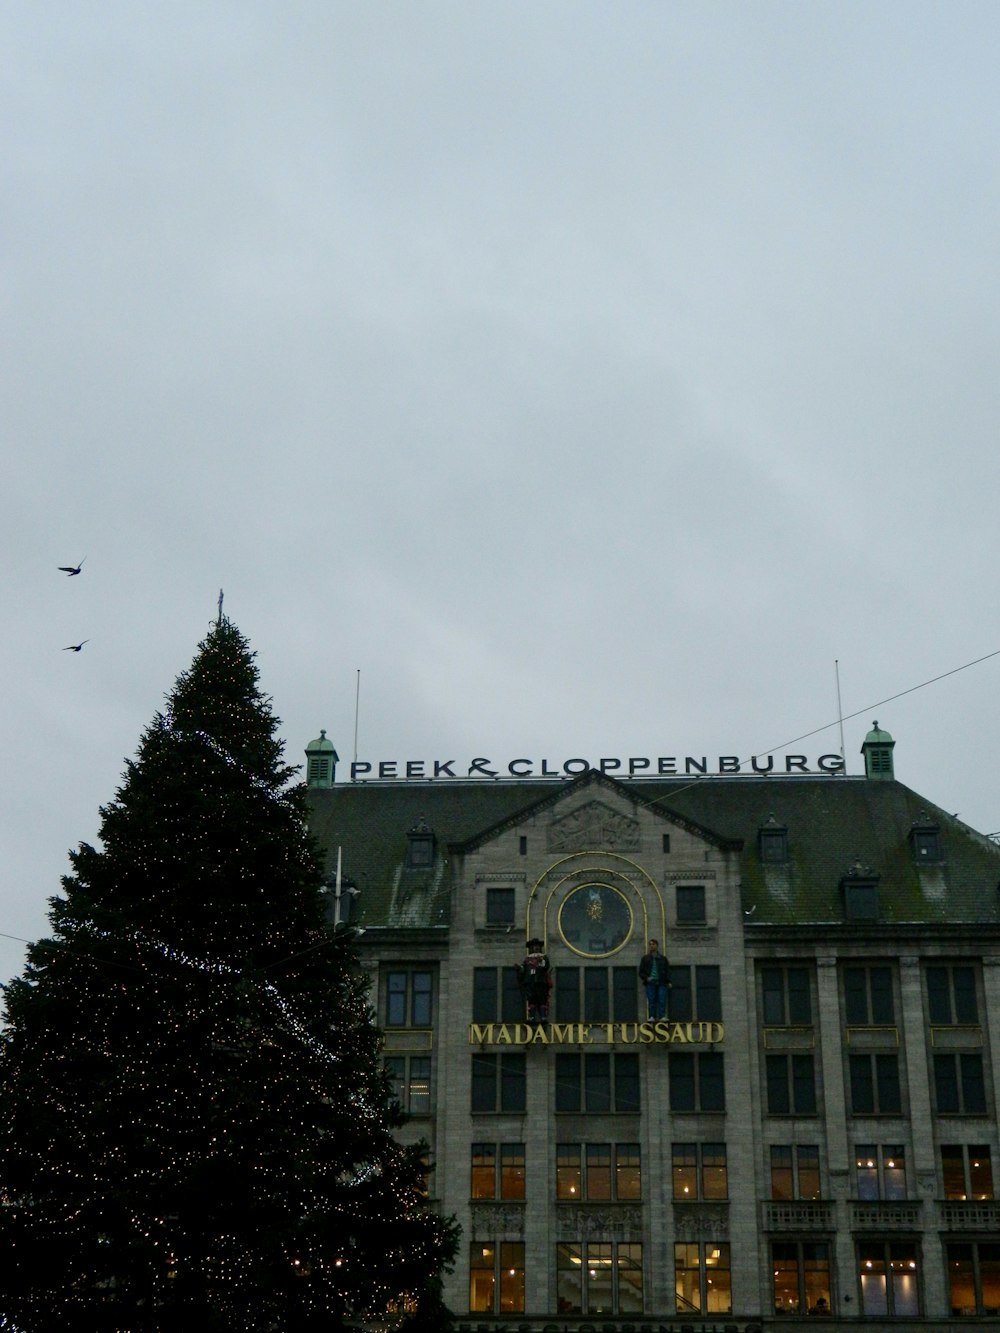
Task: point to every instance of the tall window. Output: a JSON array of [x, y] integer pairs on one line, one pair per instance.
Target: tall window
[[887, 1274], [701, 1000], [691, 905], [598, 1171], [974, 1278], [702, 1282], [496, 1277], [791, 1084], [967, 1171], [795, 1171], [497, 1171], [596, 995], [868, 1000], [880, 1171], [958, 1084], [500, 906], [699, 1171], [785, 994], [496, 995], [408, 993], [875, 1085], [599, 1278], [498, 1082], [951, 995], [697, 1081], [597, 1082], [801, 1277], [411, 1080]]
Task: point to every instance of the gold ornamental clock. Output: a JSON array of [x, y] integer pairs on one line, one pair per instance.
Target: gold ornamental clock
[[595, 920]]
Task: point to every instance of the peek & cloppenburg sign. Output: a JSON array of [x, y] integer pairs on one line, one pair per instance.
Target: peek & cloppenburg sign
[[637, 766]]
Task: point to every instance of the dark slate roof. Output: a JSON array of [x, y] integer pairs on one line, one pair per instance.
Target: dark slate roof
[[833, 823]]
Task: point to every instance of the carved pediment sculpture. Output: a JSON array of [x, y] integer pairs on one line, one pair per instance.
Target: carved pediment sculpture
[[591, 827]]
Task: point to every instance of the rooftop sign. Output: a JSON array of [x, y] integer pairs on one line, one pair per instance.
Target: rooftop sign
[[638, 766]]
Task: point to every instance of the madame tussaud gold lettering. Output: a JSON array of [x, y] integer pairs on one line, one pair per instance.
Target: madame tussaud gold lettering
[[661, 1032]]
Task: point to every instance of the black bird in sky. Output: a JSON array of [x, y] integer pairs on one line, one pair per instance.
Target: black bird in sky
[[72, 569], [75, 647]]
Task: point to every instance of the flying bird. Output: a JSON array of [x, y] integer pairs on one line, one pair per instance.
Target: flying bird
[[75, 647], [72, 569]]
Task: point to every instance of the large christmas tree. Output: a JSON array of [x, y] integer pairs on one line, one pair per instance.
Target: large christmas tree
[[195, 1130]]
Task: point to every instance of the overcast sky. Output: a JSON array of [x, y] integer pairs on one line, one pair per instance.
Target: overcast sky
[[591, 376]]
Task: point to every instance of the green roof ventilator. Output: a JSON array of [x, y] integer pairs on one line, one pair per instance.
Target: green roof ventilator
[[877, 750]]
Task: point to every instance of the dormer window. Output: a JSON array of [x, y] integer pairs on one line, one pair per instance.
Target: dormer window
[[859, 889], [925, 841], [772, 842], [420, 846]]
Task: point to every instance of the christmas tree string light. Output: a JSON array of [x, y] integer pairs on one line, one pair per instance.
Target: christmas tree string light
[[185, 1141]]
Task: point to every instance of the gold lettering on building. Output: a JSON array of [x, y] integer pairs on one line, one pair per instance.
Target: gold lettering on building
[[658, 1033]]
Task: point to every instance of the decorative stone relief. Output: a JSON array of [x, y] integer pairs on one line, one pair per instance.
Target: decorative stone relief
[[593, 826], [490, 1221], [706, 1223], [579, 1222]]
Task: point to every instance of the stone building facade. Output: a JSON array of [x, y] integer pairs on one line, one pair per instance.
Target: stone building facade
[[809, 1133]]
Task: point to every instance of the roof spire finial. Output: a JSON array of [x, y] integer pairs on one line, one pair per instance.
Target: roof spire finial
[[219, 621]]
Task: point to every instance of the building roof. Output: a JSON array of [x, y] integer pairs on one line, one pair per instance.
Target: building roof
[[834, 824]]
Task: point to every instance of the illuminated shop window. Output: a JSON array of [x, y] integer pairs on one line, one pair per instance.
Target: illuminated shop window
[[880, 1171], [967, 1171], [974, 1278], [496, 1277], [411, 1079], [598, 1171], [702, 1282], [801, 1277], [497, 1171], [795, 1171], [889, 1280], [599, 1278], [699, 1171]]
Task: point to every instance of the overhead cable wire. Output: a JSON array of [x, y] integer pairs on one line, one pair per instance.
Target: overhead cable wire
[[676, 791]]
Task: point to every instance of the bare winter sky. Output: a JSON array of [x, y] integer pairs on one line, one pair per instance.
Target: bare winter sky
[[591, 376]]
